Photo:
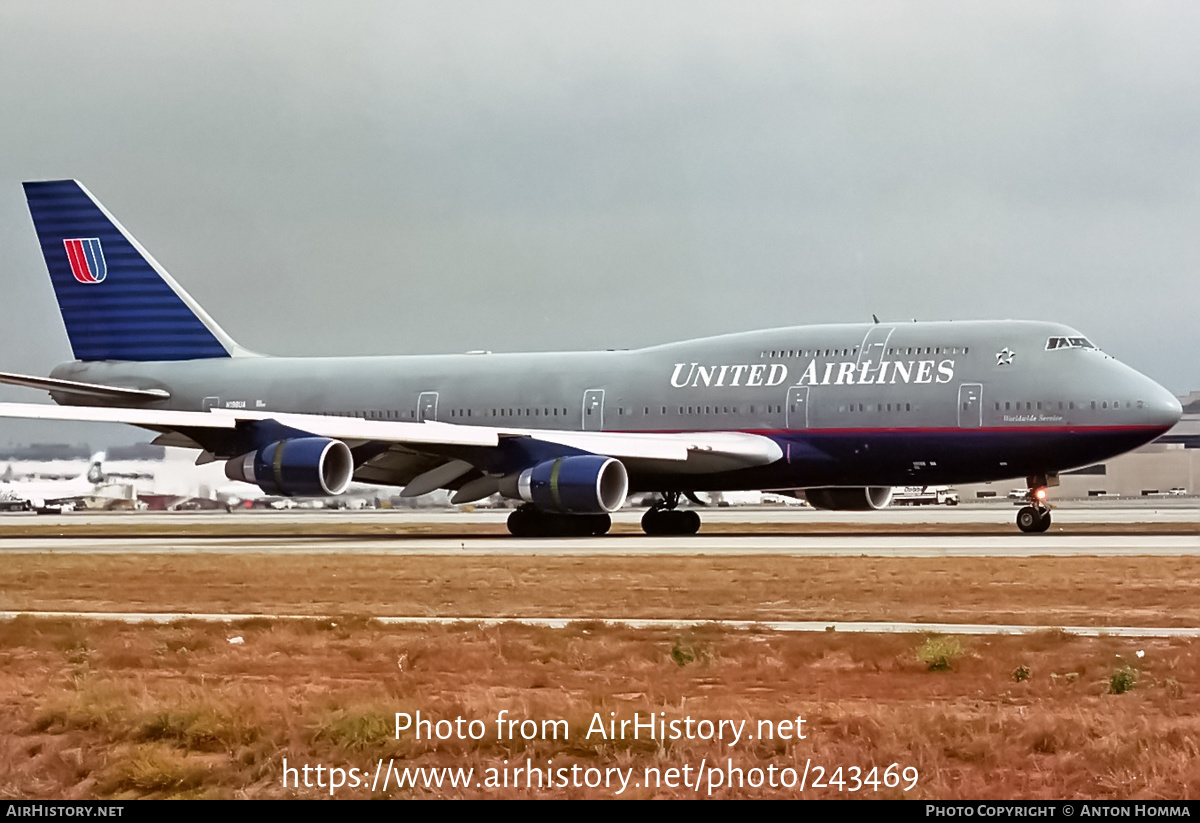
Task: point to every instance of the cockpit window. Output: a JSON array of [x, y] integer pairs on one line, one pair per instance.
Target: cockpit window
[[1069, 343]]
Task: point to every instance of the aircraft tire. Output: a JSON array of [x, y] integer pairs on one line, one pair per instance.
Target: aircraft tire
[[1043, 522], [523, 523], [670, 522], [528, 521], [1028, 520]]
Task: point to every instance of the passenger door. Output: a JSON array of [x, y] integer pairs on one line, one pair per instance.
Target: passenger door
[[970, 405], [593, 410], [874, 349], [796, 410], [427, 406]]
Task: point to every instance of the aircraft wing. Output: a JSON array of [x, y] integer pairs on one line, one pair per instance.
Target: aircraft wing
[[436, 442]]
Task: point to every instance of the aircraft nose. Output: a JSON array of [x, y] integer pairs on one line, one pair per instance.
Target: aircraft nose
[[1162, 408]]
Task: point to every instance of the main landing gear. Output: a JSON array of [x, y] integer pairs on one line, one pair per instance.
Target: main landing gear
[[1035, 517], [665, 518], [530, 521]]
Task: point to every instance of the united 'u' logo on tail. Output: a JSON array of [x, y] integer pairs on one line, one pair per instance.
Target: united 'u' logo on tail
[[87, 259]]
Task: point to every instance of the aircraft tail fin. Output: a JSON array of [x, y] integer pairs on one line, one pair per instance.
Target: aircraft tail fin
[[117, 302], [95, 472]]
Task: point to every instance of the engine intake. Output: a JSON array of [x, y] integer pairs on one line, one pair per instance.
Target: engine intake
[[316, 466], [850, 500], [582, 484]]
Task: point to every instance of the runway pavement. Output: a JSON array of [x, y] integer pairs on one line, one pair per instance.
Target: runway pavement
[[1151, 510], [1164, 528], [1001, 515], [864, 545]]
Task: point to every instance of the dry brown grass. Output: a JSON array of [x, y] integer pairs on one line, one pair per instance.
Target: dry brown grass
[[106, 710], [100, 710], [1138, 591]]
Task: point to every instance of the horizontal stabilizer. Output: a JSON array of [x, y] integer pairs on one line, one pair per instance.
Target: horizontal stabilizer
[[149, 418], [56, 386], [349, 429]]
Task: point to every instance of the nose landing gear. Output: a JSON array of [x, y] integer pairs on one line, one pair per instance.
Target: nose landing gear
[[1034, 518]]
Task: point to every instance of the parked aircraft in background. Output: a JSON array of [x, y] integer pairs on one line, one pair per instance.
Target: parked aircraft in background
[[54, 495], [243, 495], [844, 412]]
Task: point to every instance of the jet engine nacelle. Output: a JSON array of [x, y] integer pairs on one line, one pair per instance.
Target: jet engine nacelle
[[582, 484], [316, 466], [850, 500]]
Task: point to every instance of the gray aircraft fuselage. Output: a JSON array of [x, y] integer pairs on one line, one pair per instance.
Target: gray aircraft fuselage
[[848, 405]]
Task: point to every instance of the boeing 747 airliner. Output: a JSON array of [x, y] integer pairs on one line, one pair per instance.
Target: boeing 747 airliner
[[838, 413]]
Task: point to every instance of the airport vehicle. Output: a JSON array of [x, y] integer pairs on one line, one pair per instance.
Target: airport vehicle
[[10, 502], [844, 412], [925, 496], [54, 496]]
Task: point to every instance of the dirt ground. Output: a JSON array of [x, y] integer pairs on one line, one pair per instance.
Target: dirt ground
[[1044, 591], [214, 710]]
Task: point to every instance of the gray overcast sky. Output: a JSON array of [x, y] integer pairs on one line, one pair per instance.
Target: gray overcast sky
[[396, 177]]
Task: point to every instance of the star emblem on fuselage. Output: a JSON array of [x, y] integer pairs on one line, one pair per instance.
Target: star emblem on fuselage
[[1005, 357]]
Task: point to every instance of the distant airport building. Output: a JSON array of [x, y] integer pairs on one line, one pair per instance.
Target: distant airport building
[[46, 451], [137, 451]]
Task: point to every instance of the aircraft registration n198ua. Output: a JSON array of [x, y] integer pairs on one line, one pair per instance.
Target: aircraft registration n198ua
[[842, 412]]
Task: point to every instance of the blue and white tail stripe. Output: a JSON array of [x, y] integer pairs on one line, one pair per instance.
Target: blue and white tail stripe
[[117, 302]]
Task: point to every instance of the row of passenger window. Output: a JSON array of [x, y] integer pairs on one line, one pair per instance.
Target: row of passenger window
[[388, 414], [1101, 405], [535, 412], [376, 414], [686, 410], [893, 352], [855, 408], [392, 414]]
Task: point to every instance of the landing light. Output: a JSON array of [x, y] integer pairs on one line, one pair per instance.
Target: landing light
[[1040, 493]]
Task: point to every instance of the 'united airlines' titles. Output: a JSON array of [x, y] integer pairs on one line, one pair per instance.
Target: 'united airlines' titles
[[845, 373]]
